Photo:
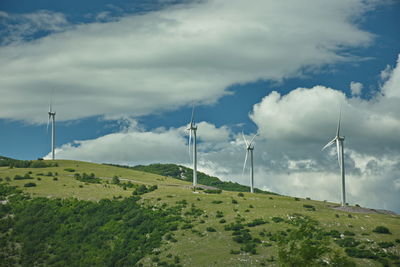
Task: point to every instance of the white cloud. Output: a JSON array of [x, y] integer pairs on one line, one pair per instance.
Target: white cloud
[[356, 88], [163, 60], [391, 88], [385, 74]]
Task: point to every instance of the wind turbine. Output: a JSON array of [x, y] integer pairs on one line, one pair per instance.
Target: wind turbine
[[339, 146], [52, 117], [249, 150], [192, 132]]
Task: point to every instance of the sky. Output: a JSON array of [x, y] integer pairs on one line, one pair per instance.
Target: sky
[[123, 77]]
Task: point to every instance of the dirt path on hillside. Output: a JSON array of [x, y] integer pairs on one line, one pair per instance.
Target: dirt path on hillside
[[362, 210]]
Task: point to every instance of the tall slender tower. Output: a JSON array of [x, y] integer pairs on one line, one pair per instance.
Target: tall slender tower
[[52, 117], [192, 132]]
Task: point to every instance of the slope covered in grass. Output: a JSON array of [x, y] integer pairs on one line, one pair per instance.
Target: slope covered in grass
[[226, 229], [186, 174]]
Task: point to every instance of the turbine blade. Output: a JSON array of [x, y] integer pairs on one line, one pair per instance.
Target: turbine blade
[[245, 161], [190, 144], [339, 119], [245, 141], [251, 141], [330, 143], [338, 152], [48, 121], [192, 118]]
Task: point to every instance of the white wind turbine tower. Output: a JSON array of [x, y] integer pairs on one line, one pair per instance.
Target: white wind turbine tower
[[192, 132], [249, 150], [339, 146], [52, 116]]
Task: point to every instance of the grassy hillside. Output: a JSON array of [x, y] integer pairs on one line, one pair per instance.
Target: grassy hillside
[[186, 174], [226, 229]]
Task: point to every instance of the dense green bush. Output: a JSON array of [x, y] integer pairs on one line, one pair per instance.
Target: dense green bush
[[30, 184], [256, 222], [333, 233], [381, 230], [71, 232], [142, 189], [348, 233], [13, 163], [87, 178], [360, 253], [309, 207], [213, 191], [25, 177], [277, 219], [347, 242], [386, 244]]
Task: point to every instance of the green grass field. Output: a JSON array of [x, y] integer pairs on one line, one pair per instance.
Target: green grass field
[[196, 246]]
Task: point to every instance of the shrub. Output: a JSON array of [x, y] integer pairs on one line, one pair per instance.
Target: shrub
[[55, 179], [256, 222], [277, 219], [235, 252], [309, 207], [347, 242], [381, 230], [240, 194], [222, 221], [297, 199], [213, 191], [233, 227], [360, 253], [186, 226], [348, 233], [210, 229], [115, 180], [386, 244], [29, 185], [69, 170], [234, 201], [25, 177], [333, 233], [217, 202], [219, 214]]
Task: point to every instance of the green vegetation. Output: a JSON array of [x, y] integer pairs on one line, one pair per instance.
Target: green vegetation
[[381, 230], [87, 178], [250, 229], [29, 184], [73, 232], [14, 163]]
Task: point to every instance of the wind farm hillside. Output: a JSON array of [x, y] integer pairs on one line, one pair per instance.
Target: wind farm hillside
[[70, 213]]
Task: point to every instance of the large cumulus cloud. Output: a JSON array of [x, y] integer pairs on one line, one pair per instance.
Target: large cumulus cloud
[[140, 64]]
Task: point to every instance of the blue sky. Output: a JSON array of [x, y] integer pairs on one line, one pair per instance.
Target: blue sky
[[126, 73]]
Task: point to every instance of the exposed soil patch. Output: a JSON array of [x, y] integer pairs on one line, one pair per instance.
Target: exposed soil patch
[[362, 210]]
